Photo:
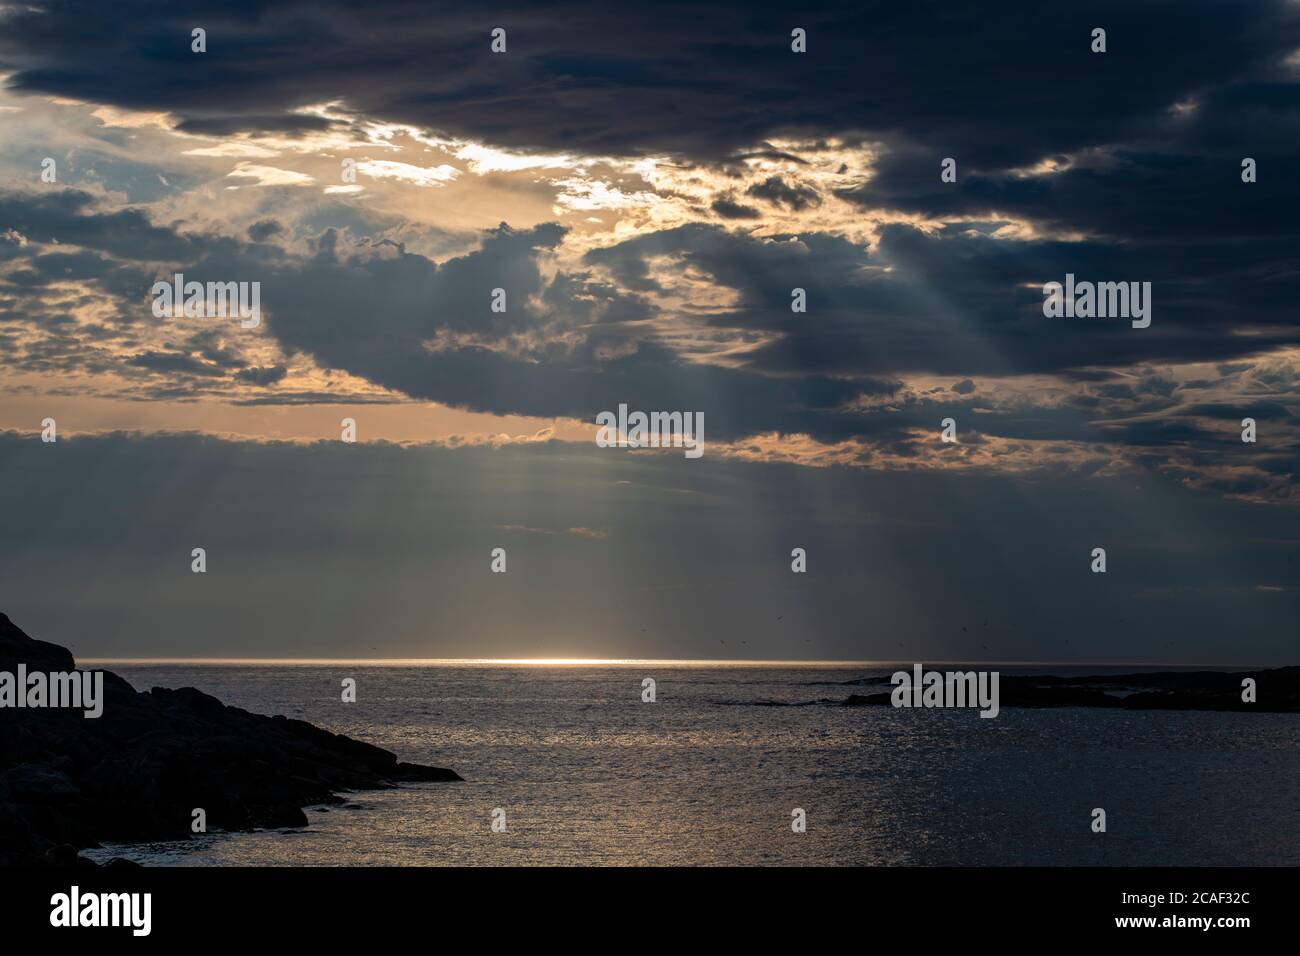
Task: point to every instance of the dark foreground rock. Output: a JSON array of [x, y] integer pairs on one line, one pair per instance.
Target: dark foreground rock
[[138, 771], [1277, 691]]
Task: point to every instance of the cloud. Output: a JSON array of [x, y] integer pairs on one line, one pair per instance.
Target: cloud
[[776, 191], [993, 81], [729, 209], [173, 362], [604, 332], [264, 229], [255, 175], [262, 376], [294, 124], [405, 172]]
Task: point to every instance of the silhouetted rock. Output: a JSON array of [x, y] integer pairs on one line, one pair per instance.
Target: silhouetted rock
[[1277, 691], [138, 771], [16, 647]]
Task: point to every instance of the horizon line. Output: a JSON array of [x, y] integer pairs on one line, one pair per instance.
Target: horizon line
[[629, 662]]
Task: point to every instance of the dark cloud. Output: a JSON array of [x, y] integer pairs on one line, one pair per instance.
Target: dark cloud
[[952, 301], [173, 362], [264, 376], [1004, 85], [780, 193], [75, 217], [293, 125], [439, 339], [729, 209], [957, 301], [264, 229]]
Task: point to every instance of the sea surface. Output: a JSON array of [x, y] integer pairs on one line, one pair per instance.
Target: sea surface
[[587, 773]]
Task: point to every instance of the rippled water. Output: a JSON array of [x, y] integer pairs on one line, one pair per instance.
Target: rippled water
[[588, 774]]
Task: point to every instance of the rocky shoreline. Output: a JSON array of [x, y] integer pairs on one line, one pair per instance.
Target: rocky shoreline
[[140, 770], [1277, 691]]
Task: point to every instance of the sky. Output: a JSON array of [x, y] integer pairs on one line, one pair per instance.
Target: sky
[[648, 186]]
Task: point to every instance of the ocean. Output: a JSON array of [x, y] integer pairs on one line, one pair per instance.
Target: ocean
[[711, 772]]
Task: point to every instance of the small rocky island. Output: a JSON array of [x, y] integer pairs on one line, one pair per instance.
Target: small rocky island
[[1277, 691], [139, 770]]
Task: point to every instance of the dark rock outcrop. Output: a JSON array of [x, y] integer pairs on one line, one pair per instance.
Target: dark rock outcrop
[[138, 771], [1277, 691]]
